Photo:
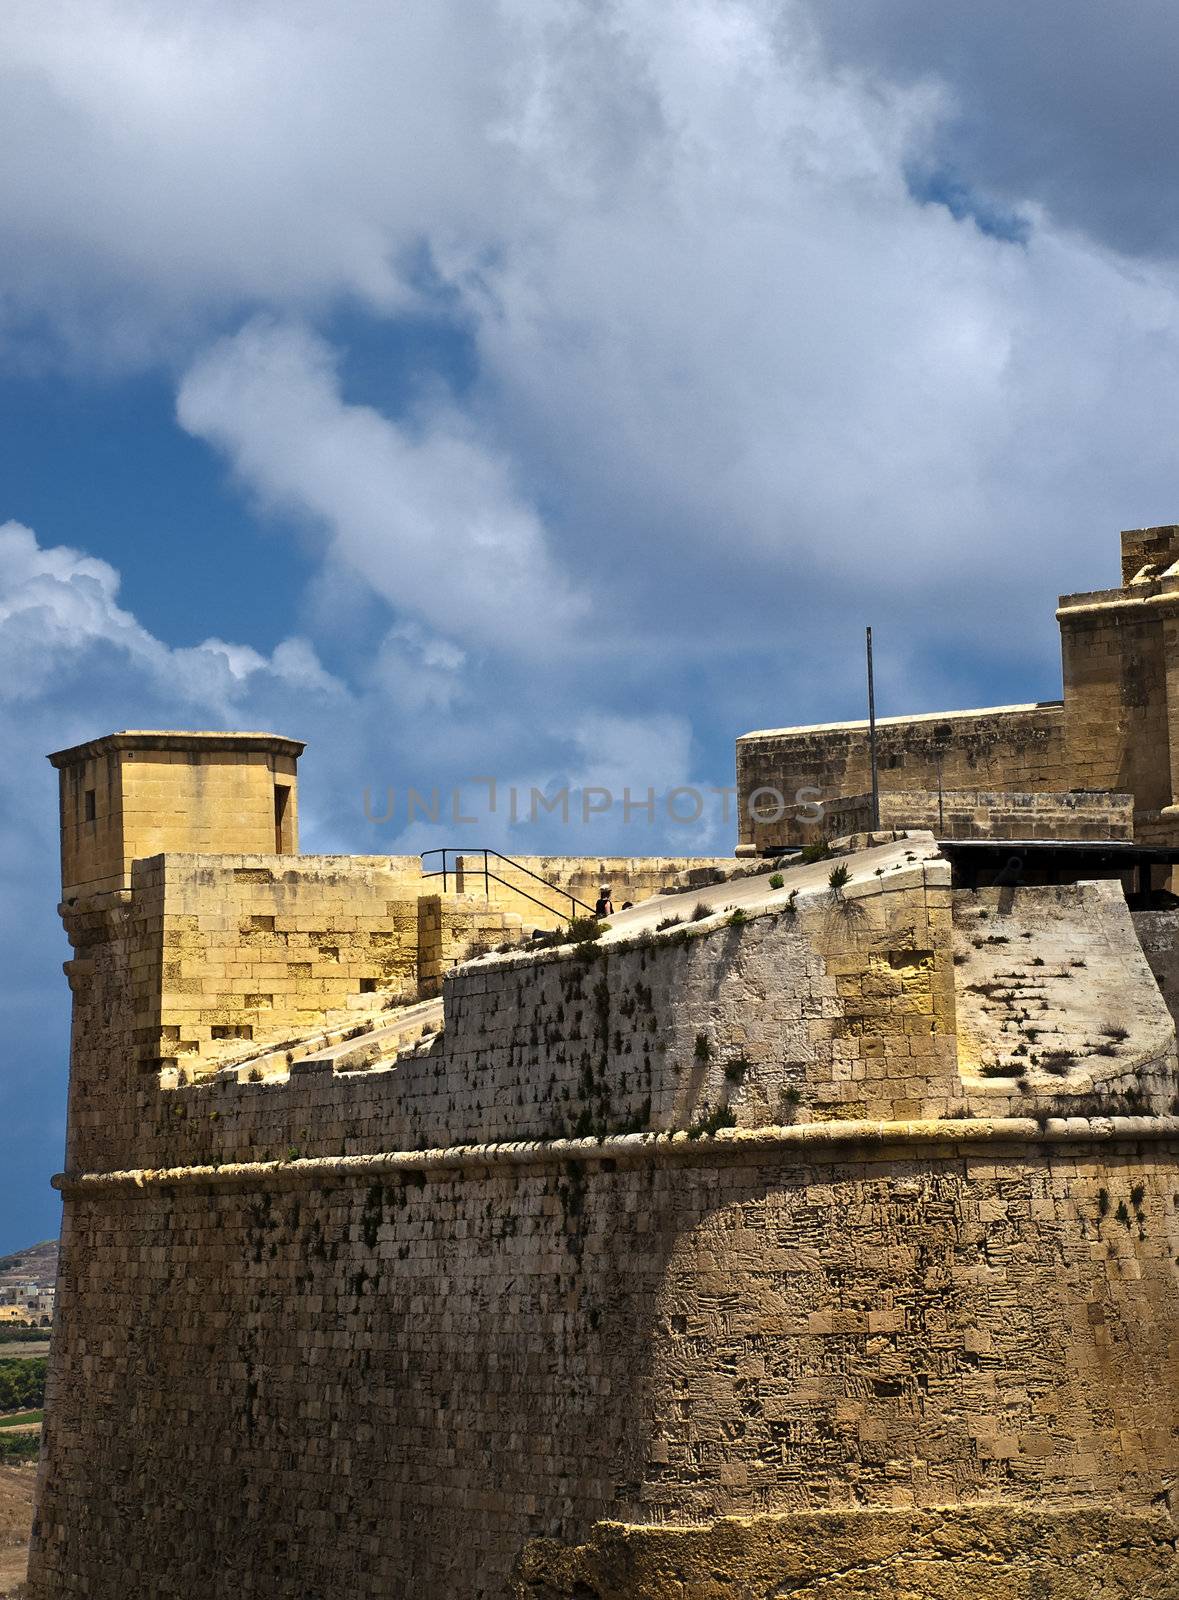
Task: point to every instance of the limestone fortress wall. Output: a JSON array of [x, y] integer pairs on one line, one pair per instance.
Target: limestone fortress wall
[[795, 1236]]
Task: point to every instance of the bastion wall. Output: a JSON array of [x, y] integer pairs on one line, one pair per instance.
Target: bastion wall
[[704, 1222], [387, 1380]]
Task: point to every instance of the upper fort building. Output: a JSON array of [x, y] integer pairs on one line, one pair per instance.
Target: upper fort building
[[812, 1229], [1101, 763]]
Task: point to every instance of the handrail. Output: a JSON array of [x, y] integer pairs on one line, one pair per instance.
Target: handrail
[[463, 852]]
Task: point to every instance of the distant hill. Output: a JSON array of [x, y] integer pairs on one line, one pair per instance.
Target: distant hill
[[37, 1264]]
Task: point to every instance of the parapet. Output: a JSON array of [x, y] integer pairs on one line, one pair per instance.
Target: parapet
[[136, 794]]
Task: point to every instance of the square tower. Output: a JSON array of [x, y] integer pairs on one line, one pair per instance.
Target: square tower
[[1120, 650], [136, 794]]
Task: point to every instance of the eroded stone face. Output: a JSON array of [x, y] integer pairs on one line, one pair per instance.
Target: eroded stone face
[[1000, 1552]]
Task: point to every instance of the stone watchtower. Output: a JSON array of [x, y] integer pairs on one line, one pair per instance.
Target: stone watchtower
[[130, 802], [131, 795]]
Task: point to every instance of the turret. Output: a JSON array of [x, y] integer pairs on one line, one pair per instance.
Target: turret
[[136, 794]]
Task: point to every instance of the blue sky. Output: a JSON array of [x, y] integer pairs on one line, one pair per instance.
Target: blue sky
[[552, 390]]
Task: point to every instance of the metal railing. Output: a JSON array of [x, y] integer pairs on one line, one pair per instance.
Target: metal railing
[[467, 865]]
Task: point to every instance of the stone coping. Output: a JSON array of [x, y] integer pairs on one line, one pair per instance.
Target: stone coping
[[275, 744], [902, 721], [1101, 602], [808, 1143]]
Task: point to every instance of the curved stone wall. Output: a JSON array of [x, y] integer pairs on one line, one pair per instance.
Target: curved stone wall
[[390, 1375]]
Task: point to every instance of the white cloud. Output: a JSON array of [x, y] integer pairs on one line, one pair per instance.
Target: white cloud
[[737, 390], [59, 616], [735, 383], [431, 520]]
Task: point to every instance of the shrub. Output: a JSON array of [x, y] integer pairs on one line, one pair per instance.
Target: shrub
[[819, 851], [737, 917], [1057, 1061], [22, 1384], [700, 911], [19, 1448], [792, 903], [838, 878], [703, 1050], [668, 922], [777, 881]]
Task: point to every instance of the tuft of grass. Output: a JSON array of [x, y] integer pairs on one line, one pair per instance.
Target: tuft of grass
[[838, 878], [721, 1117], [700, 911], [668, 922]]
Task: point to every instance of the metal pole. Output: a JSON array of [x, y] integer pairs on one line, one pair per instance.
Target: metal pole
[[872, 738]]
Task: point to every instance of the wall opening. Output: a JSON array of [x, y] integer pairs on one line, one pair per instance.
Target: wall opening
[[283, 842], [89, 808]]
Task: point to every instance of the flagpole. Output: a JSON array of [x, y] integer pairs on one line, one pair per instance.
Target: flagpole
[[872, 738]]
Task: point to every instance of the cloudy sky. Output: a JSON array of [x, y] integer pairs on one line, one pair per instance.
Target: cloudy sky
[[550, 389]]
